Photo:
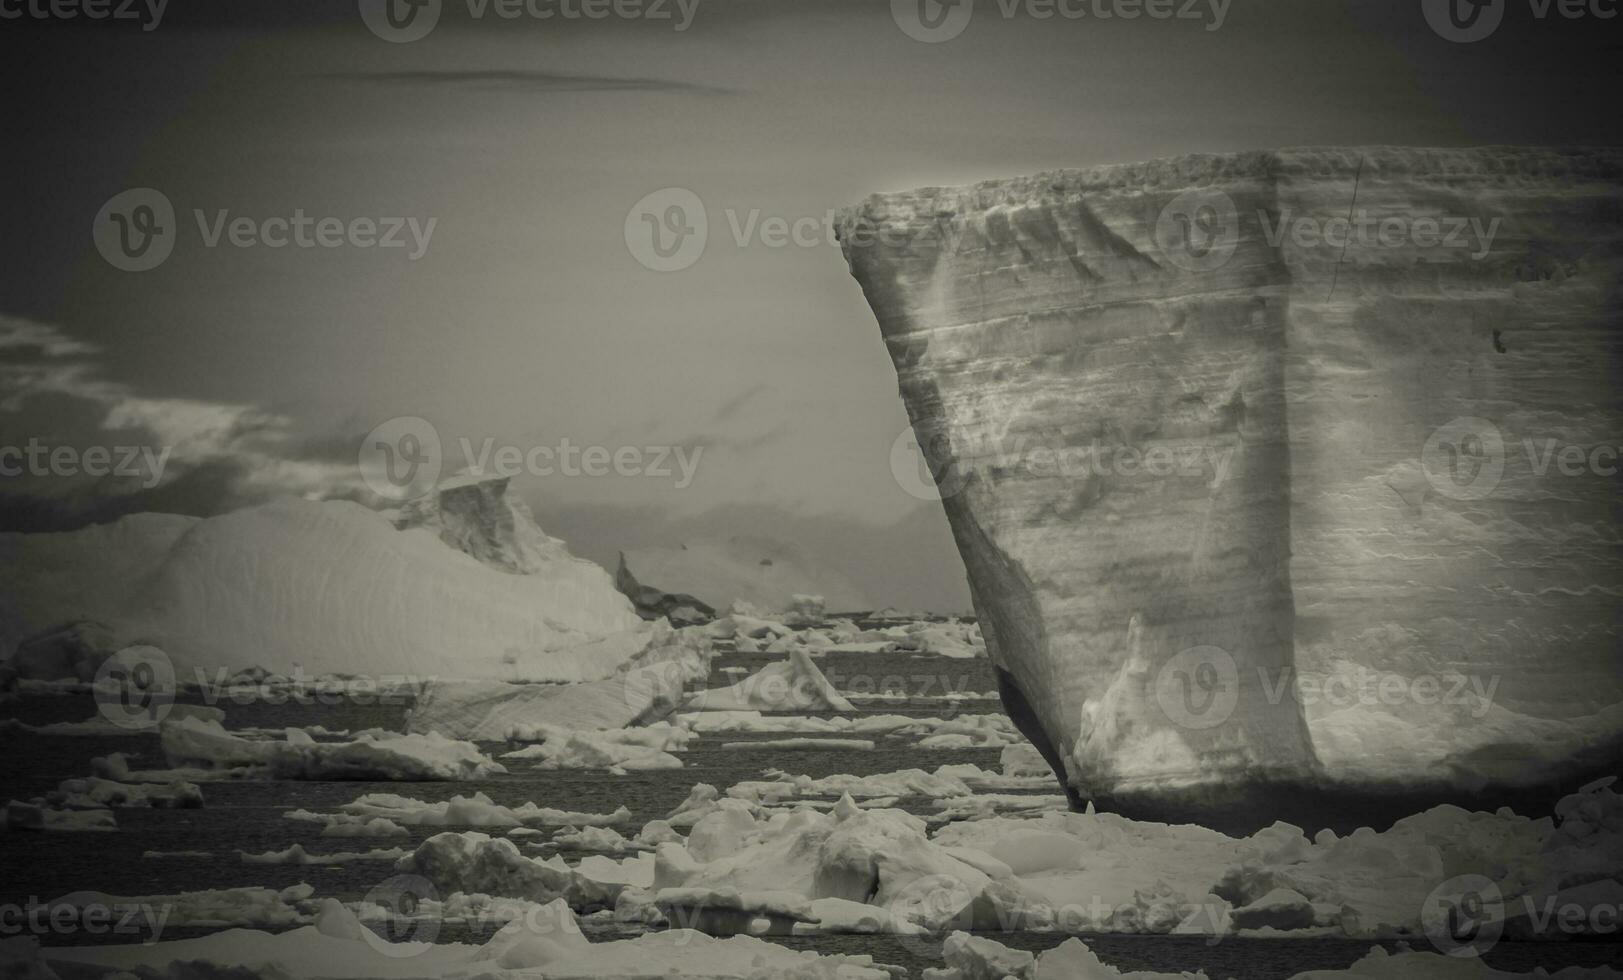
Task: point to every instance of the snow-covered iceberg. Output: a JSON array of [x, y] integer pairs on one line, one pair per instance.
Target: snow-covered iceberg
[[190, 742], [1237, 506], [466, 587], [647, 684]]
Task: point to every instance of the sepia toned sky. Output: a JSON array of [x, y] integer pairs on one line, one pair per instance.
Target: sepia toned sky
[[526, 319]]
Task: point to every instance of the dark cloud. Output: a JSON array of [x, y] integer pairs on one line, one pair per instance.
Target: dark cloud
[[214, 456]]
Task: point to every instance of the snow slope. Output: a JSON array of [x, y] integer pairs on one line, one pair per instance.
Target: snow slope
[[328, 586]]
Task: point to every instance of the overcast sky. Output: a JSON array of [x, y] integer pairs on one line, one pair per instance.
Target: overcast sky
[[526, 319]]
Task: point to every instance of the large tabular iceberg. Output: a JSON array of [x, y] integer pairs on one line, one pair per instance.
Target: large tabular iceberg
[[1255, 460]]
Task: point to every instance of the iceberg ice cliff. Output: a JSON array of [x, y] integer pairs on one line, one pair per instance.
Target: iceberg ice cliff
[[1253, 460]]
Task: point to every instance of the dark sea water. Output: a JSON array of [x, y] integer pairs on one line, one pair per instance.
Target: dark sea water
[[248, 816]]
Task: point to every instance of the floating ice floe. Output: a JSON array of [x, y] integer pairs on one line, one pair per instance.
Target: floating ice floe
[[296, 854], [376, 756], [543, 940], [36, 816], [645, 687], [794, 684], [960, 731], [718, 722], [477, 810], [84, 803], [210, 908], [348, 824], [880, 857], [605, 840], [805, 745], [619, 751], [902, 783], [102, 727], [1084, 872], [946, 639], [93, 792], [726, 912], [470, 861]]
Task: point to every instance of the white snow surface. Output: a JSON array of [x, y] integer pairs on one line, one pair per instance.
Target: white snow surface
[[388, 756], [322, 586], [648, 683]]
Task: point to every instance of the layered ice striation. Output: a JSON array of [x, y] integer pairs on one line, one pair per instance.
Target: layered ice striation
[[1254, 460]]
